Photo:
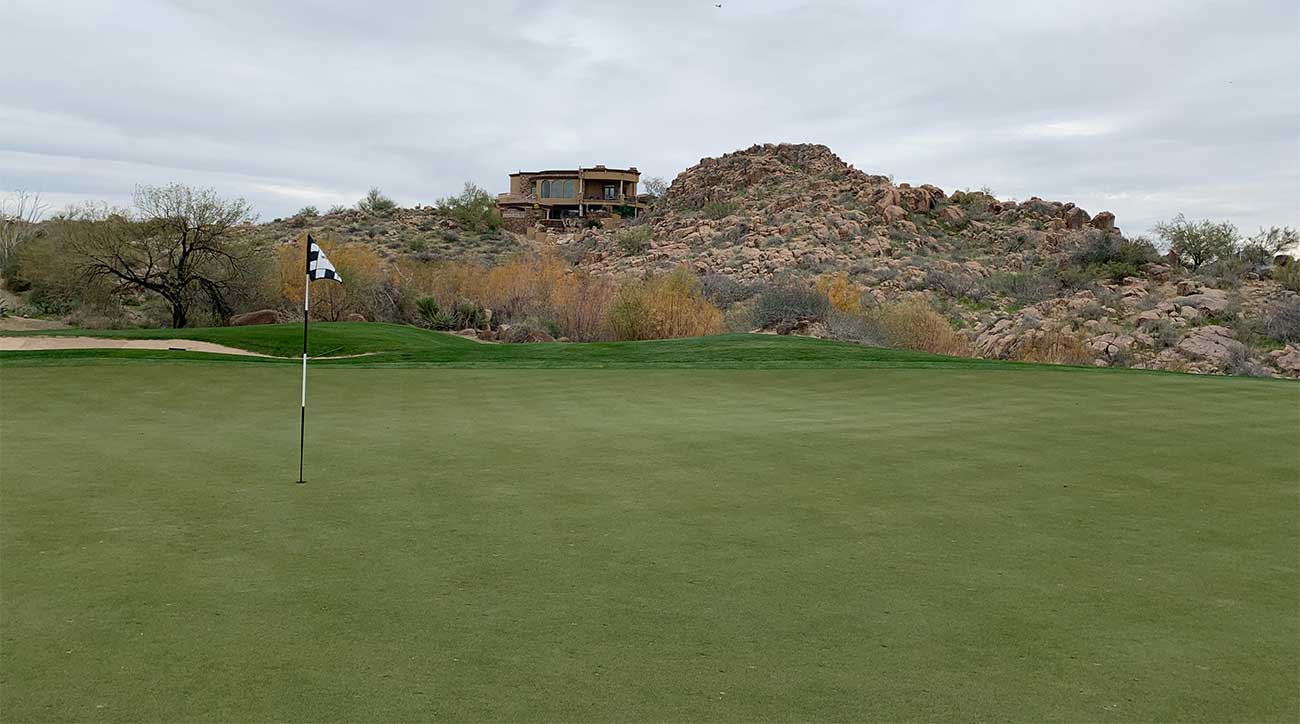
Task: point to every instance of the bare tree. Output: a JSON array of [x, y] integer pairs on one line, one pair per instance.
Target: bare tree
[[20, 212], [180, 243], [656, 187]]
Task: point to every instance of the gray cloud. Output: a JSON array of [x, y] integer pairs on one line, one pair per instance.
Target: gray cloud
[[1146, 109]]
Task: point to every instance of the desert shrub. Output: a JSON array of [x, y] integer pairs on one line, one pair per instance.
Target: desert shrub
[[854, 327], [529, 330], [789, 303], [1198, 242], [1239, 363], [957, 285], [580, 307], [462, 314], [473, 209], [539, 289], [718, 209], [633, 239], [739, 317], [375, 203], [1288, 276], [1282, 320], [842, 293], [1225, 272], [663, 306], [723, 291], [308, 211], [429, 312], [975, 202], [917, 326], [417, 244], [1163, 333], [1054, 348], [1096, 247], [1259, 250], [336, 209], [1026, 287], [1098, 255], [360, 267], [1091, 310]]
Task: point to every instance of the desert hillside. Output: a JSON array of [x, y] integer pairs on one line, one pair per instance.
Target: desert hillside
[[1022, 279], [783, 238]]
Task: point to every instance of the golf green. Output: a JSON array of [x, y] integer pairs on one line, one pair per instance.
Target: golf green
[[986, 543]]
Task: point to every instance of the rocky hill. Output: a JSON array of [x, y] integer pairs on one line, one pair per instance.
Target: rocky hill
[[1015, 276], [420, 231]]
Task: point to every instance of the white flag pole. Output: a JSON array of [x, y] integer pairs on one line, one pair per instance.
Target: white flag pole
[[306, 306]]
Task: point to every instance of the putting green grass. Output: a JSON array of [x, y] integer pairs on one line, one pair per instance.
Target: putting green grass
[[1006, 543]]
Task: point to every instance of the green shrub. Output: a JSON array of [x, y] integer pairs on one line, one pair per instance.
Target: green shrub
[[375, 203], [427, 310], [1198, 242], [307, 211], [718, 209], [790, 304], [1288, 276], [473, 209], [1111, 251], [633, 239]]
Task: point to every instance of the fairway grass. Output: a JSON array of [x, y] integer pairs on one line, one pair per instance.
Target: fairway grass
[[980, 543]]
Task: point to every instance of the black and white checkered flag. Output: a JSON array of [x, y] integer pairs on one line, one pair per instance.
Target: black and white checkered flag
[[318, 265]]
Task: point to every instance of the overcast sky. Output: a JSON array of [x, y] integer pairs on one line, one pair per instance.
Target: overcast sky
[[1144, 107]]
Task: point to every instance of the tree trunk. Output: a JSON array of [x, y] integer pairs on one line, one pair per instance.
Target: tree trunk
[[178, 315]]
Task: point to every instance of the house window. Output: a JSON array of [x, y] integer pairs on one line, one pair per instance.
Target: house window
[[557, 189], [609, 191]]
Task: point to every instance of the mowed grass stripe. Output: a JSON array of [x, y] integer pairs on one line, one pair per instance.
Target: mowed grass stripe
[[723, 545]]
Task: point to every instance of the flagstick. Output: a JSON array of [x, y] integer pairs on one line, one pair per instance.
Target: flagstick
[[302, 422]]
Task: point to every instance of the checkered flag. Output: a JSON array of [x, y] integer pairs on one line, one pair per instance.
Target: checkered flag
[[318, 265]]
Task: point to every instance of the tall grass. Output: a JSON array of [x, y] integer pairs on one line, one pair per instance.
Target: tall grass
[[664, 306]]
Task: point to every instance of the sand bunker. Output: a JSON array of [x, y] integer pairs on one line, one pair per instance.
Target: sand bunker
[[10, 344]]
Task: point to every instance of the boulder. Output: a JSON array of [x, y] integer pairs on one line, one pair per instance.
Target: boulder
[[1104, 221], [1149, 317], [1213, 344], [952, 214], [1207, 301], [894, 214], [261, 316], [1287, 360], [1158, 272], [1076, 218]]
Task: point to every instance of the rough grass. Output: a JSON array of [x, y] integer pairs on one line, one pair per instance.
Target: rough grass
[[398, 345], [960, 543]]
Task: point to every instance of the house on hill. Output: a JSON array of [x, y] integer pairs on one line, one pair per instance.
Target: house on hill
[[563, 198]]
